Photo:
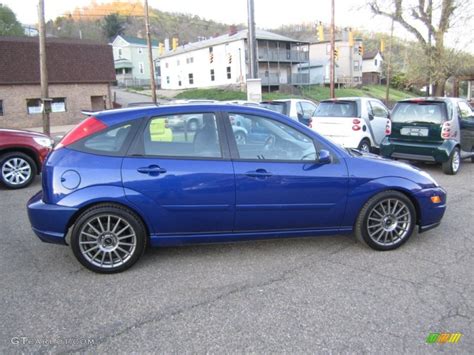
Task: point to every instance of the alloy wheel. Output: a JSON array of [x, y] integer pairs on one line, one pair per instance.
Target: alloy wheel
[[107, 241], [389, 222], [456, 161], [16, 171]]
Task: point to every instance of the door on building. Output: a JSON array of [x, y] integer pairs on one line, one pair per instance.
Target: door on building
[[98, 103]]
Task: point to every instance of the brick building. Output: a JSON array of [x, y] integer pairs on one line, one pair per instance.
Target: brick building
[[80, 74]]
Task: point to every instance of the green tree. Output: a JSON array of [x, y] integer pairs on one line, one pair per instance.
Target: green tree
[[113, 25], [9, 25]]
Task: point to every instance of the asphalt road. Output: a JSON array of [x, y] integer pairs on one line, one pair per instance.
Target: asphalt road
[[323, 294]]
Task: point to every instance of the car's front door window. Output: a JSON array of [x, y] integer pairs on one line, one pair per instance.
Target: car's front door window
[[261, 138]]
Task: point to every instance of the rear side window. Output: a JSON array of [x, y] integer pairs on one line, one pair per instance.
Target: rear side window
[[280, 107], [337, 109], [188, 136], [108, 142], [420, 112]]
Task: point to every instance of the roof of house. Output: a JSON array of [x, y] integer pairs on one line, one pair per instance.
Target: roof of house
[[138, 41], [69, 61], [370, 55], [243, 34]]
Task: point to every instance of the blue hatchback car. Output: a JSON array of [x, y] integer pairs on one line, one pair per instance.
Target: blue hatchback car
[[123, 180]]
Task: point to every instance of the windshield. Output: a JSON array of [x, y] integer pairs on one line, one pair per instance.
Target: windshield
[[419, 112], [280, 107], [336, 109]]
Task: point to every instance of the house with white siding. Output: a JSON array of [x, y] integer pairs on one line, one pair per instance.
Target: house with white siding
[[223, 61], [372, 66]]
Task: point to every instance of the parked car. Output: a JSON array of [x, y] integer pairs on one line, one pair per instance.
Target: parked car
[[432, 129], [109, 201], [21, 156], [353, 122], [297, 109]]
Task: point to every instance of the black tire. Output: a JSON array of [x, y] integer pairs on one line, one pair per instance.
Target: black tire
[[97, 217], [450, 167], [364, 145], [26, 164], [403, 225], [472, 157]]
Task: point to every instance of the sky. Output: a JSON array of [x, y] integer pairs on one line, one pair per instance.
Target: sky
[[268, 14]]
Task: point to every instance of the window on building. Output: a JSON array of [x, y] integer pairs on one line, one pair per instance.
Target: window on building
[[141, 68], [166, 65], [213, 77], [210, 49], [167, 80], [178, 62], [229, 72], [179, 83], [375, 62], [120, 52], [34, 106], [189, 60], [356, 65], [140, 50], [191, 78], [1, 107]]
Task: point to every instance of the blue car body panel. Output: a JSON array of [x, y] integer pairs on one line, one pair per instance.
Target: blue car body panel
[[214, 200]]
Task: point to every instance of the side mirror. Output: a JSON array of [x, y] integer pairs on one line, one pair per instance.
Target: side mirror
[[371, 116], [324, 157]]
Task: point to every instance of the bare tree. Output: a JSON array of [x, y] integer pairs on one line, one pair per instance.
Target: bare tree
[[437, 17]]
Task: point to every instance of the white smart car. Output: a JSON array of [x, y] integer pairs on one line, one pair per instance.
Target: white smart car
[[353, 122]]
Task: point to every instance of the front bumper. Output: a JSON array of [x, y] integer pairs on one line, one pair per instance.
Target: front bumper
[[430, 214], [428, 152], [49, 222]]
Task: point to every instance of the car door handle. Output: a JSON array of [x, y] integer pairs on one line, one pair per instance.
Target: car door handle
[[259, 173], [153, 170]]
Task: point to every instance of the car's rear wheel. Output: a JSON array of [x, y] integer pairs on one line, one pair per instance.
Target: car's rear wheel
[[17, 170], [108, 238], [386, 221], [364, 145], [451, 167]]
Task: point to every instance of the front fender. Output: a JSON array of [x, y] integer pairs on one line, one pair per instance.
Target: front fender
[[361, 191]]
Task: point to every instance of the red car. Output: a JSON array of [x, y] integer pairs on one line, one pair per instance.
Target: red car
[[22, 154]]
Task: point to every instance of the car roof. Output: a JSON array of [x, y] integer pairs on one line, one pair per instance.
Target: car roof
[[431, 98], [112, 117]]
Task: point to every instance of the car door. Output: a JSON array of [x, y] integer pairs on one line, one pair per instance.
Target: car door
[[466, 122], [279, 184], [184, 180], [378, 116]]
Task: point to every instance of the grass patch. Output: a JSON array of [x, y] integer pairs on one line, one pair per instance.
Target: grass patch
[[211, 94]]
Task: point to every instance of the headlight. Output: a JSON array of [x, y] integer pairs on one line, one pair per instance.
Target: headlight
[[44, 141]]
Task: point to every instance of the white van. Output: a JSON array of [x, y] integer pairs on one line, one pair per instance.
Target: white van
[[353, 122]]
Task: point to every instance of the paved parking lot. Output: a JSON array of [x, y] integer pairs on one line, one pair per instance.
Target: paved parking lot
[[295, 295]]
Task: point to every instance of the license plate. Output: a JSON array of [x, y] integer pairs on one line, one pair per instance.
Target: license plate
[[414, 131]]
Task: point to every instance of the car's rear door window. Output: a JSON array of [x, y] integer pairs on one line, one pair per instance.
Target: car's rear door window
[[338, 108], [277, 106], [434, 112], [187, 135]]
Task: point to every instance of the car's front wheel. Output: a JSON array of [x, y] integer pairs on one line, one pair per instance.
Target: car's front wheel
[[386, 221], [108, 238], [17, 170]]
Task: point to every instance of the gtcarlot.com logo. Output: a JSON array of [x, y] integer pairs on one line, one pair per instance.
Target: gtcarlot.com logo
[[443, 338], [22, 340]]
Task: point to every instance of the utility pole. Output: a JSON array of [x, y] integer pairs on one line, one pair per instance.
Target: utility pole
[[252, 42], [333, 47], [430, 19], [150, 54], [43, 68], [389, 66]]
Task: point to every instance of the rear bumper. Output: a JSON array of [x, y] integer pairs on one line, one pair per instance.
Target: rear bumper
[[49, 222], [430, 214], [428, 152]]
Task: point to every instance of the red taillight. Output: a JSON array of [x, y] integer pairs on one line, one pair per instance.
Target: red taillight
[[446, 130], [388, 128], [356, 121], [89, 126], [356, 128]]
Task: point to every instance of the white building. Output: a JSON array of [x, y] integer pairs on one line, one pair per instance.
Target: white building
[[223, 61], [348, 64], [132, 66], [372, 66]]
